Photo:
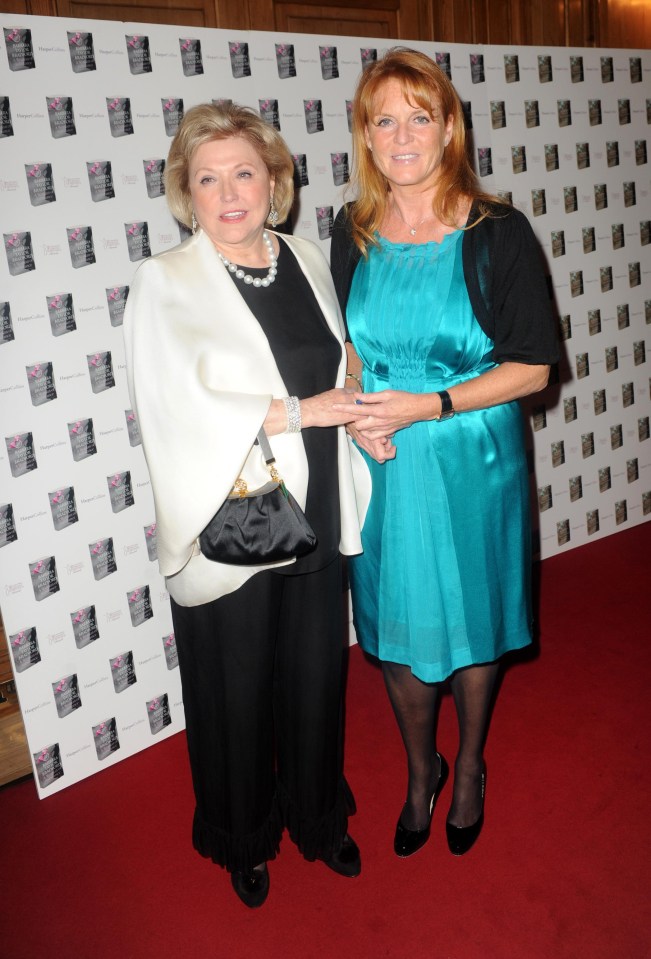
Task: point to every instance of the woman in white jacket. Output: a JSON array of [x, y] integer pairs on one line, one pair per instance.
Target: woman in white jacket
[[236, 329]]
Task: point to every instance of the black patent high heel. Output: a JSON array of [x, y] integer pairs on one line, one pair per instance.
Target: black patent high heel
[[462, 838], [408, 841]]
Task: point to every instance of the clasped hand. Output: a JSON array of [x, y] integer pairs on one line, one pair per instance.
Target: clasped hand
[[331, 408], [376, 417]]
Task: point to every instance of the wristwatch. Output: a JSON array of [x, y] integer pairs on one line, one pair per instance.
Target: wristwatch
[[447, 409]]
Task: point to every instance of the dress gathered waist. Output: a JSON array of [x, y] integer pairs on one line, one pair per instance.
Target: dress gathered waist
[[429, 384]]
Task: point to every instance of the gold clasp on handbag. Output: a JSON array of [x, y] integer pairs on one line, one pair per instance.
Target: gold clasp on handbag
[[239, 488]]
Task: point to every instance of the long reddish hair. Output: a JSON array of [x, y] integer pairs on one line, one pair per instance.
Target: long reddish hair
[[427, 86]]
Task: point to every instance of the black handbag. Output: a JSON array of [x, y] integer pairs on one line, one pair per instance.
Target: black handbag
[[254, 527]]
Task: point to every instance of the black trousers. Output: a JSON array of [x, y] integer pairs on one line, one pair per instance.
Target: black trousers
[[261, 672]]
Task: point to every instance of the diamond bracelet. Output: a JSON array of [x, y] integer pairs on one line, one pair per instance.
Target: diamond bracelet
[[293, 410]]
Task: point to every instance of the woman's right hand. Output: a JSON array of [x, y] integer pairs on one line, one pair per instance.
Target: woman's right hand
[[318, 410], [315, 411]]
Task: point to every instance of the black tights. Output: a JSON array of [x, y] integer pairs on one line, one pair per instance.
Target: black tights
[[415, 704]]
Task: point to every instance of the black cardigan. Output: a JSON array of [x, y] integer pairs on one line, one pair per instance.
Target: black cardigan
[[504, 276]]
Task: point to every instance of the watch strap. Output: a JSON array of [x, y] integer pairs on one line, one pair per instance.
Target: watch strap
[[447, 408]]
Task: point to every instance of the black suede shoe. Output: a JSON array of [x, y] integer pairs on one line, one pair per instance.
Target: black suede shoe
[[252, 887], [408, 841], [461, 838], [347, 861]]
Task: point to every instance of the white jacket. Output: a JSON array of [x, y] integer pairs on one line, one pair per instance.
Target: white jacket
[[201, 378]]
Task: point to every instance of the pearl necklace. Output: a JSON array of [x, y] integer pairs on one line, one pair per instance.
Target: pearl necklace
[[248, 279]]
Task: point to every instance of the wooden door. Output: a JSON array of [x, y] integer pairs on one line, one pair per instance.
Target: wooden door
[[393, 19], [32, 8], [187, 13]]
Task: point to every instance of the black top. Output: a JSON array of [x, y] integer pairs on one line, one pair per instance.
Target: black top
[[506, 283], [308, 356]]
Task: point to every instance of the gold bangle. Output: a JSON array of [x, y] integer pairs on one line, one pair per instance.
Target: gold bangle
[[353, 376]]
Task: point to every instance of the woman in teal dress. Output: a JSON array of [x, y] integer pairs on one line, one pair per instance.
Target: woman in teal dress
[[450, 323]]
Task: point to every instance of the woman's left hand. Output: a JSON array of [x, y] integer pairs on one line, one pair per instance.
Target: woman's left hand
[[377, 415], [381, 449]]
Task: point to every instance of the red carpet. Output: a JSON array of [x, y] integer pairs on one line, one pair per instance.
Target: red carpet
[[105, 869]]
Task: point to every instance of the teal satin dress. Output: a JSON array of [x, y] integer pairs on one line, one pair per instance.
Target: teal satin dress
[[444, 579]]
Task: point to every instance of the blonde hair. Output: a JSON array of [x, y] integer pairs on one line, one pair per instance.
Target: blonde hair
[[427, 86], [221, 121]]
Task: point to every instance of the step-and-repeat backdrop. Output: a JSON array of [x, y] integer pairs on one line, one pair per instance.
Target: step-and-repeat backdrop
[[87, 111]]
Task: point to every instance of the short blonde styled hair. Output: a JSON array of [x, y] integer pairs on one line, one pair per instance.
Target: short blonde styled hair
[[221, 121]]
